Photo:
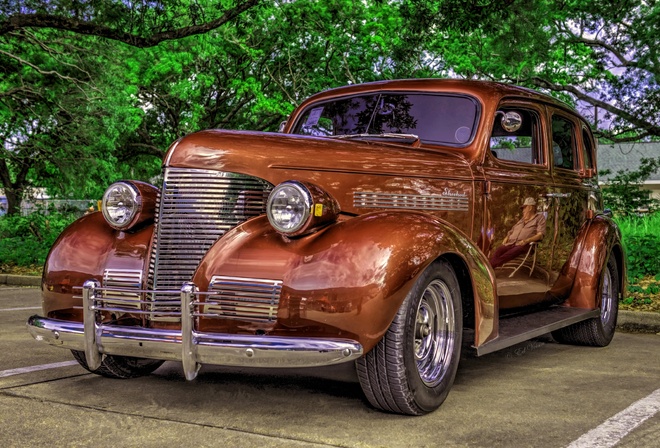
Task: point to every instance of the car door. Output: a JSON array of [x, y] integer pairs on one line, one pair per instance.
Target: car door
[[572, 195], [517, 169]]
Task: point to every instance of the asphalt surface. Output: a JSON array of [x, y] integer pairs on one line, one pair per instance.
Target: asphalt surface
[[538, 393]]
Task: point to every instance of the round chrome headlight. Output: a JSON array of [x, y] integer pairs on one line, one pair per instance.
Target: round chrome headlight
[[289, 206], [121, 203]]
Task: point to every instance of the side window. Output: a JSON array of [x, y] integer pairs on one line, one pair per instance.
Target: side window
[[588, 149], [520, 145], [563, 139]]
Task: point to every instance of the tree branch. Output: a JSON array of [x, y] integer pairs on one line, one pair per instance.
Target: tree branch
[[39, 20], [647, 126]]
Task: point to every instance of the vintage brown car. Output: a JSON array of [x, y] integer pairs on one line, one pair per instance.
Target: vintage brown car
[[385, 223]]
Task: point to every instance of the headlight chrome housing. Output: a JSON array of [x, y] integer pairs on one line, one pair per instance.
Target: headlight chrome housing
[[128, 203], [296, 208], [289, 206]]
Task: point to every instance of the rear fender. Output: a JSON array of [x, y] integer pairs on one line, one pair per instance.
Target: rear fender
[[602, 238], [350, 278], [579, 280]]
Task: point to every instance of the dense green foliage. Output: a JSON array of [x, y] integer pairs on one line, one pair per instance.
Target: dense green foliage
[[26, 240], [641, 237]]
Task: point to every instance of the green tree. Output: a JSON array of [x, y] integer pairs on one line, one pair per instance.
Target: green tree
[[67, 100], [601, 53]]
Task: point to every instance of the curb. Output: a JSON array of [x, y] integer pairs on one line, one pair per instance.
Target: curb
[[628, 321], [638, 322], [20, 280]]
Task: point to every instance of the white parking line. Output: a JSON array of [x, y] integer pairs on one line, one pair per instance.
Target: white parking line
[[21, 309], [616, 428], [21, 370]]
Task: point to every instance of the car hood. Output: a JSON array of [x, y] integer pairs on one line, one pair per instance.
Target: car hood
[[340, 167]]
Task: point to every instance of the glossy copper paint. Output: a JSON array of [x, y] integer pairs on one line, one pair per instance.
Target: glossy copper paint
[[349, 278], [82, 252], [602, 238]]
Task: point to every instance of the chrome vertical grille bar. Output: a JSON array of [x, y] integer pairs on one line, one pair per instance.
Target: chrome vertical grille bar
[[196, 208]]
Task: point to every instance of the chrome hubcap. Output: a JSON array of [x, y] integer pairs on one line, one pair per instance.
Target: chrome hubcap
[[434, 333], [607, 296]]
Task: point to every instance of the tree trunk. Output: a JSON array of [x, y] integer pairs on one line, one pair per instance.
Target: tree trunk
[[13, 190], [14, 197]]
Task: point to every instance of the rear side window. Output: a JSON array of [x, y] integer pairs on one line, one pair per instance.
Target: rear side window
[[563, 142], [588, 149]]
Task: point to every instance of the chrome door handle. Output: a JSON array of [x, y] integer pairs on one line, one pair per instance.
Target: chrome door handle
[[557, 195]]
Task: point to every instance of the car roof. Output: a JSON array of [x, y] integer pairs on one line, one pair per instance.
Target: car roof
[[482, 89]]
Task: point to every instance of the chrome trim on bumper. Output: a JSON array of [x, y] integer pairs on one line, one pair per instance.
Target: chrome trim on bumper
[[189, 346]]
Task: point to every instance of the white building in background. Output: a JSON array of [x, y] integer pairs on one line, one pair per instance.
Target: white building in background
[[38, 199], [627, 156]]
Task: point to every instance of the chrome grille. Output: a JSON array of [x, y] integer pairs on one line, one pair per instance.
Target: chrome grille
[[122, 285], [245, 299], [196, 207]]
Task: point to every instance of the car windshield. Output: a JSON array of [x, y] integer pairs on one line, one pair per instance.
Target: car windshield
[[434, 118]]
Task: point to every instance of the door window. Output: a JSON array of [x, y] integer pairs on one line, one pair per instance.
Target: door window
[[520, 145], [587, 149], [563, 142]]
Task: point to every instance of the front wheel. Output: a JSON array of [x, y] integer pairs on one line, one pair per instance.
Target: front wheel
[[121, 367], [411, 370], [597, 332]]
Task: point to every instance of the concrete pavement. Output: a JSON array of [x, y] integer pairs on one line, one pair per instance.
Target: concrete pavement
[[538, 393]]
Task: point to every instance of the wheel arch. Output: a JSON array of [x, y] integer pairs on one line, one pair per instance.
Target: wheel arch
[[602, 239], [464, 278]]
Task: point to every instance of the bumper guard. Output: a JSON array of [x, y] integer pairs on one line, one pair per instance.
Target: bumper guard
[[189, 346]]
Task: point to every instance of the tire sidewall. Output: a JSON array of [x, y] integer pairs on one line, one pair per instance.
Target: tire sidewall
[[607, 328], [425, 397]]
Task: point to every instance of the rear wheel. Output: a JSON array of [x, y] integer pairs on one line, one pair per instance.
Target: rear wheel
[[597, 332], [121, 367], [411, 370]]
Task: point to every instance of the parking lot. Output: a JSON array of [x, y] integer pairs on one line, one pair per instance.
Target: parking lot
[[538, 393]]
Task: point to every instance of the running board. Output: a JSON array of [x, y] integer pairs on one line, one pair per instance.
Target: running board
[[521, 328]]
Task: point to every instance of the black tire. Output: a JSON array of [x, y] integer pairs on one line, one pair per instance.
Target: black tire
[[121, 367], [597, 332], [411, 370]]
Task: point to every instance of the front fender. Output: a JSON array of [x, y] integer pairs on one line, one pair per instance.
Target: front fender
[[350, 278], [84, 251]]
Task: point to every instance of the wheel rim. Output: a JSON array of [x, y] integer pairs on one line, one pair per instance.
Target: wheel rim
[[434, 333], [607, 298]]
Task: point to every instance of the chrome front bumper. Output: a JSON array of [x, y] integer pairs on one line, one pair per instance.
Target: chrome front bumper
[[189, 346]]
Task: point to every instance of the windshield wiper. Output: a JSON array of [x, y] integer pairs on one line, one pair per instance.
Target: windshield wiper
[[410, 138]]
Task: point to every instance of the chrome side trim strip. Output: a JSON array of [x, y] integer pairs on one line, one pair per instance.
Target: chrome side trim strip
[[443, 202]]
